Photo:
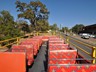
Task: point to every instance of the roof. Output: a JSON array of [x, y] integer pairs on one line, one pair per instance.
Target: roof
[[91, 25]]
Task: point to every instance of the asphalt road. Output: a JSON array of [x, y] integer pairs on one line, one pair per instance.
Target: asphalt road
[[83, 54], [84, 47]]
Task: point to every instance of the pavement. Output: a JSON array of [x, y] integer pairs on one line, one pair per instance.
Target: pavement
[[40, 62]]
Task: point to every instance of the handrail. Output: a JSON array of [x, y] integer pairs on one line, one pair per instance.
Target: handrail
[[7, 40], [8, 44], [15, 41]]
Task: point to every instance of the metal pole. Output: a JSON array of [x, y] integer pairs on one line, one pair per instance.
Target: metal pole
[[67, 40], [94, 55], [37, 33], [17, 40]]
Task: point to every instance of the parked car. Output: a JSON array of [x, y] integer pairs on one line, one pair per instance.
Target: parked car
[[80, 34], [91, 35], [95, 37], [85, 36]]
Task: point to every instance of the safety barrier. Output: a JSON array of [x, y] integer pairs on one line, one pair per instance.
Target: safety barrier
[[9, 42]]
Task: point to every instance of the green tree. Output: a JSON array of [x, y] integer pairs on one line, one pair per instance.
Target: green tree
[[77, 28], [65, 29], [54, 27], [7, 26], [23, 26], [42, 25], [33, 11]]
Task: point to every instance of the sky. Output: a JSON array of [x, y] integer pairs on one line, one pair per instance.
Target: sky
[[66, 13]]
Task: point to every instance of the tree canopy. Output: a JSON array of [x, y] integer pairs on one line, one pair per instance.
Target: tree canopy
[[33, 11], [54, 27], [23, 26], [64, 29], [77, 28], [42, 25], [7, 26]]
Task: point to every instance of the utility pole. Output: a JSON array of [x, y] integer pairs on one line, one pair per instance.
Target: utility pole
[[59, 31], [60, 26]]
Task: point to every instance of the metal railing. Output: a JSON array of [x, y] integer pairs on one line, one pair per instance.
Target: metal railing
[[93, 54], [9, 42]]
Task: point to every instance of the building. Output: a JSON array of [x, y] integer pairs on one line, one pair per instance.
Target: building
[[89, 29]]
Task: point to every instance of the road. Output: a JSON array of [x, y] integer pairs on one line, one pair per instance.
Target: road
[[74, 40]]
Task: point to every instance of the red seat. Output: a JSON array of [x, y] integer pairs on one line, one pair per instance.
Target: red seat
[[62, 54], [61, 61], [72, 68], [28, 49], [58, 46]]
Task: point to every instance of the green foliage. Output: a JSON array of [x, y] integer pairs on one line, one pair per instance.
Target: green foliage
[[7, 26], [23, 26], [54, 27], [33, 11], [65, 29], [42, 25], [37, 14], [77, 28]]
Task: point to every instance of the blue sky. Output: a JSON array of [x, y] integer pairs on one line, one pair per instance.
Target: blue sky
[[65, 12]]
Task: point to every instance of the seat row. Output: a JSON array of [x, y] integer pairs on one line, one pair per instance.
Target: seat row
[[62, 58], [30, 46]]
